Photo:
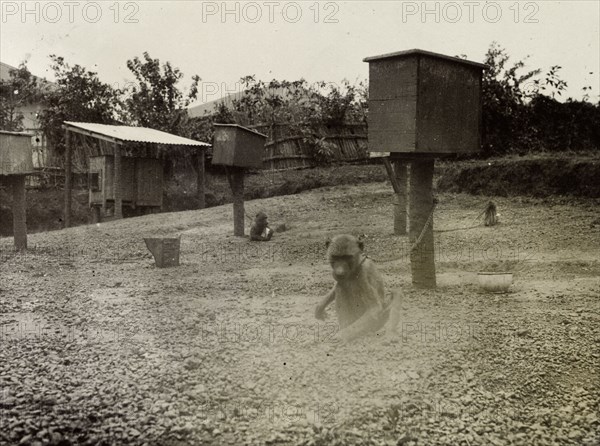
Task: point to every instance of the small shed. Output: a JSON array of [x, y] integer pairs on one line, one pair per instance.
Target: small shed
[[116, 180], [424, 102], [141, 185], [16, 162]]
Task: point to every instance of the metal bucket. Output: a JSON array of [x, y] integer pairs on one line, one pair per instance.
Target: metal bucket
[[495, 282], [164, 250]]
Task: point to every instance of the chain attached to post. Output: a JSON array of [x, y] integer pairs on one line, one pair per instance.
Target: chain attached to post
[[425, 226]]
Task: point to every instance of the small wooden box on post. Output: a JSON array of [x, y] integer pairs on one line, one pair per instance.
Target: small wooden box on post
[[422, 105], [237, 148], [16, 162]]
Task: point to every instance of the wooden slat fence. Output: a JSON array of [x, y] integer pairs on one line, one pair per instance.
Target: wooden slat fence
[[286, 149]]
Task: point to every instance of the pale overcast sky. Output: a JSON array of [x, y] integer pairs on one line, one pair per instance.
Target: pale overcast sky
[[222, 41]]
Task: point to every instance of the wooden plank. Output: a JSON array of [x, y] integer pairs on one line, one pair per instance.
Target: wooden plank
[[400, 206], [200, 182], [392, 125], [326, 137], [422, 258], [92, 134], [68, 152], [16, 154], [109, 175], [117, 181], [235, 175], [19, 205], [449, 107], [128, 179], [149, 173], [96, 164], [392, 78]]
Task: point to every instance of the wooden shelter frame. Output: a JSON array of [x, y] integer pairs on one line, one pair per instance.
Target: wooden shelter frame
[[117, 143]]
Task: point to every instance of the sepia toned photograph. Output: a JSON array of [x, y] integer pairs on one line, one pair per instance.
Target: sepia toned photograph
[[300, 223]]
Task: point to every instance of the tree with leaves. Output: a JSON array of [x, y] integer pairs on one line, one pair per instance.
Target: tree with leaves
[[155, 99], [22, 88], [300, 104], [79, 96], [503, 101]]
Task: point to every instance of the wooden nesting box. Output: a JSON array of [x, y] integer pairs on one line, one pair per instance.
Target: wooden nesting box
[[16, 153], [238, 146], [16, 162], [424, 102], [141, 181]]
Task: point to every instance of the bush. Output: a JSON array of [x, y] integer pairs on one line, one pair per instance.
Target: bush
[[521, 114]]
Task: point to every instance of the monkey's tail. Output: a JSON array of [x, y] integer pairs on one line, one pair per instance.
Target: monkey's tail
[[389, 301]]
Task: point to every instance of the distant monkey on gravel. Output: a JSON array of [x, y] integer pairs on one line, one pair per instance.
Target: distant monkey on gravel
[[491, 217], [260, 231], [359, 292]]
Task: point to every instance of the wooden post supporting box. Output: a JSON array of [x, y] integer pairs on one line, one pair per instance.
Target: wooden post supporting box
[[238, 148], [16, 161]]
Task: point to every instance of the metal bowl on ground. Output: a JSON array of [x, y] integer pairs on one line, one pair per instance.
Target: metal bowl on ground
[[495, 282]]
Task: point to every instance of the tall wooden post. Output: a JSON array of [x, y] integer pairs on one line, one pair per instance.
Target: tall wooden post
[[400, 211], [200, 185], [422, 257], [96, 214], [19, 211], [236, 181], [117, 182], [68, 150]]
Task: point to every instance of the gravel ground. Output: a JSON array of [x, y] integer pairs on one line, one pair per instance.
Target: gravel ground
[[101, 347]]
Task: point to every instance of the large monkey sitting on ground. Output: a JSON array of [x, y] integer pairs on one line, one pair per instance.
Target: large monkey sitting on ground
[[359, 292]]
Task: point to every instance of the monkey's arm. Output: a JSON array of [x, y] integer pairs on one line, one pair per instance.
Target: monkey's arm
[[256, 234], [260, 238], [321, 306]]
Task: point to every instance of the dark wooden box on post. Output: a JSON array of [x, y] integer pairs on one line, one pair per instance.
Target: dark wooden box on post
[[16, 153], [238, 146], [424, 102], [16, 162]]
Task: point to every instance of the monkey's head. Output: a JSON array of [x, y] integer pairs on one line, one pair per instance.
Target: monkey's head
[[261, 219], [344, 253]]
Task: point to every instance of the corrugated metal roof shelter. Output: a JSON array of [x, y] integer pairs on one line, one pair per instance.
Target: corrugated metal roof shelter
[[135, 181], [122, 133]]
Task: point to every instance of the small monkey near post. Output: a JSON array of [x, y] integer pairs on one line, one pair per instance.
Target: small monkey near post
[[237, 148]]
